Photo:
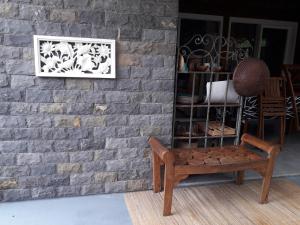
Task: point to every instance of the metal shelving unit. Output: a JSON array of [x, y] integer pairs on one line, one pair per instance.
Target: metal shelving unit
[[208, 106], [211, 49]]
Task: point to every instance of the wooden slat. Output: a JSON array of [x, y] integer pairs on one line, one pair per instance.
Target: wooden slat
[[215, 128], [219, 204], [206, 169], [214, 156], [272, 103]]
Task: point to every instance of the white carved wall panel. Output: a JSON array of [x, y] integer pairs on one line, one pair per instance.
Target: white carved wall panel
[[74, 57]]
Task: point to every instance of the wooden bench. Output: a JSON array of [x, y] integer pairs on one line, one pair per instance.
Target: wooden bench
[[180, 163]]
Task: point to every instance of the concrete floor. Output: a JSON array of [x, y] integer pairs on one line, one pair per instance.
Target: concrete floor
[[111, 209], [87, 210], [295, 179]]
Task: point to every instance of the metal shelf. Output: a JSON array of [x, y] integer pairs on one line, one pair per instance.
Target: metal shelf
[[204, 72], [188, 120], [203, 137], [213, 57], [206, 105]]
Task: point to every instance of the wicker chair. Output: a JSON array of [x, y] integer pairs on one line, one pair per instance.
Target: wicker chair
[[272, 103]]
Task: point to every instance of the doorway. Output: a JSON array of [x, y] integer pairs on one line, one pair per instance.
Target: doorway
[[270, 40]]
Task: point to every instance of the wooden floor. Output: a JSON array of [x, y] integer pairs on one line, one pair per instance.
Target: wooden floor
[[219, 204]]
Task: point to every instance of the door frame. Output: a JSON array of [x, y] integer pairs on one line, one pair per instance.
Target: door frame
[[291, 27]]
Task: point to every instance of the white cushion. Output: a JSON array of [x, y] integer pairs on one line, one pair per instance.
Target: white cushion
[[218, 92]]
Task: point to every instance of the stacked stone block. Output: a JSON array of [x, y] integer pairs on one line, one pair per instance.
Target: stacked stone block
[[68, 137]]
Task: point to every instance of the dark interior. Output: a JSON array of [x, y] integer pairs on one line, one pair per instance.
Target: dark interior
[[274, 10]]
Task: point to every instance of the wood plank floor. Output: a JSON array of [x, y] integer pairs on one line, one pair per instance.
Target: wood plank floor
[[219, 204]]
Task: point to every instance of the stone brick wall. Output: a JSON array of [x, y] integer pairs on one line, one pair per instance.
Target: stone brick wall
[[69, 137]]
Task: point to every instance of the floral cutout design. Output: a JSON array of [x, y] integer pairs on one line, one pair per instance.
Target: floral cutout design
[[70, 58], [74, 57]]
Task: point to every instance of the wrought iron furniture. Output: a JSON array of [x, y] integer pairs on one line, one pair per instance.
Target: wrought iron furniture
[[272, 104], [180, 163], [210, 58]]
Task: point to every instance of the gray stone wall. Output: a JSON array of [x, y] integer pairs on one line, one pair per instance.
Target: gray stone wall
[[69, 137]]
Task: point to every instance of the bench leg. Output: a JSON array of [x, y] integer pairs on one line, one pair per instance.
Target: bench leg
[[168, 189], [265, 189], [240, 177], [267, 179], [156, 173]]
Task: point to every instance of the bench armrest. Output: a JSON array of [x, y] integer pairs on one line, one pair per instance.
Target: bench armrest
[[271, 149], [162, 152]]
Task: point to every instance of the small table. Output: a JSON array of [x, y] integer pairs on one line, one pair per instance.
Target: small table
[[180, 163]]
